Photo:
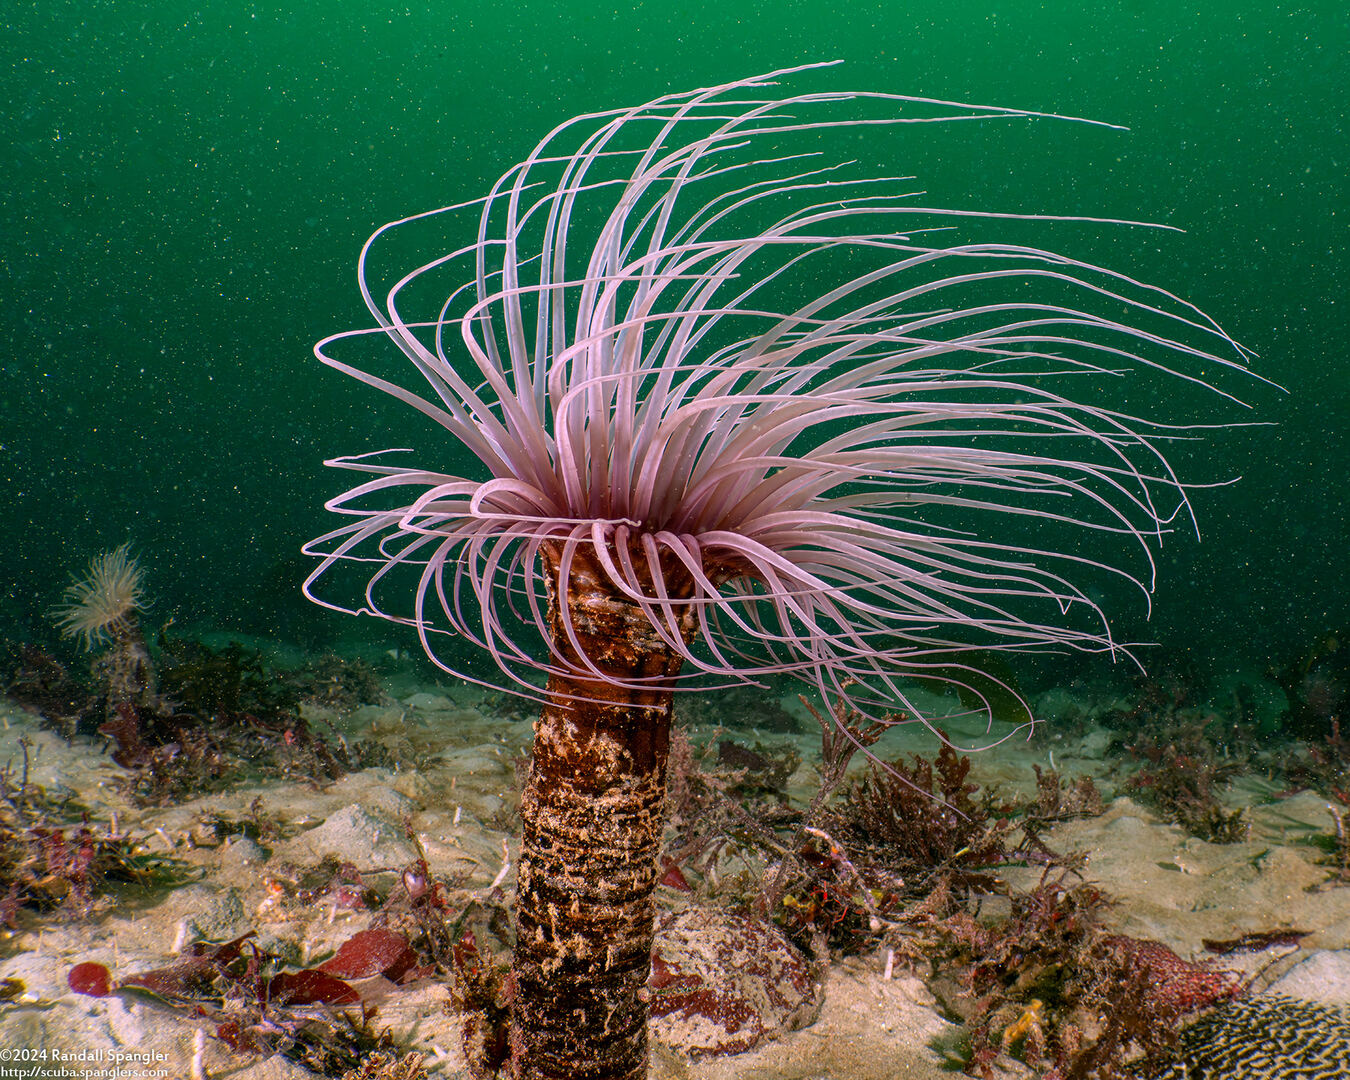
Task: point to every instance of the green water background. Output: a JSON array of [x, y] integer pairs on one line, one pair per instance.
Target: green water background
[[186, 187]]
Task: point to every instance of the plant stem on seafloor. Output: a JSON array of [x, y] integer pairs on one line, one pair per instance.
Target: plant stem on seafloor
[[592, 814]]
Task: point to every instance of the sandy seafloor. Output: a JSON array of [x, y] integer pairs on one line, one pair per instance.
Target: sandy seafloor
[[1170, 887]]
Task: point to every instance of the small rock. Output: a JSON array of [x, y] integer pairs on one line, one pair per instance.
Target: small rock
[[1322, 977], [723, 983], [412, 786], [240, 852], [222, 920], [370, 841]]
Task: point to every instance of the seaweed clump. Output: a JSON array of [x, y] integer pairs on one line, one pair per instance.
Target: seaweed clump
[[1056, 800], [832, 877], [320, 1017], [337, 682], [1047, 983], [218, 712], [1316, 685], [1187, 754], [723, 803], [49, 864], [42, 684], [389, 1066], [479, 995], [312, 1016], [1181, 778], [904, 833], [923, 815]]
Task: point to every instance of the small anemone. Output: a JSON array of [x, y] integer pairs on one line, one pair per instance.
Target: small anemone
[[100, 603]]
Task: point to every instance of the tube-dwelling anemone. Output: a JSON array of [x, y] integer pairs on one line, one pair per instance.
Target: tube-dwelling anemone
[[734, 411], [103, 608], [102, 605]]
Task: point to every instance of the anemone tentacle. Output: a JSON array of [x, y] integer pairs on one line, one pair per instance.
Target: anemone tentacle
[[105, 600], [823, 485]]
